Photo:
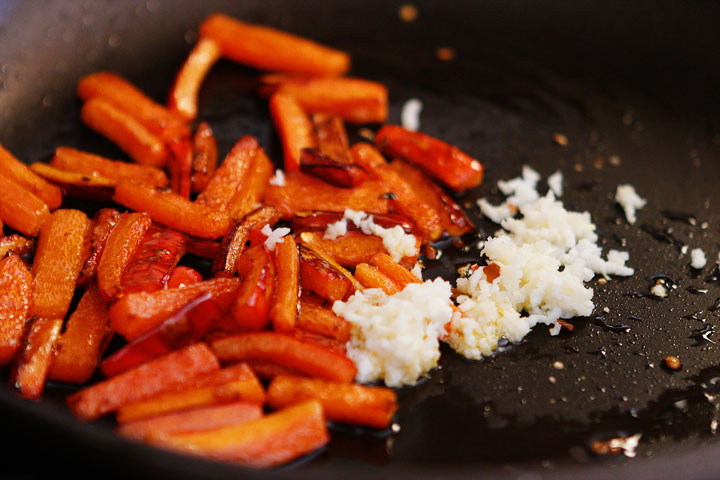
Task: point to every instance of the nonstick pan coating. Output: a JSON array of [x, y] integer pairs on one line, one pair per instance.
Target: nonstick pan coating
[[633, 86]]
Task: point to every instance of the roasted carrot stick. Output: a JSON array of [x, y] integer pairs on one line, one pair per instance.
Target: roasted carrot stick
[[156, 376], [15, 297], [350, 249], [271, 440], [16, 244], [371, 277], [16, 171], [30, 370], [100, 227], [354, 404], [180, 163], [323, 341], [153, 261], [184, 93], [183, 277], [124, 130], [252, 191], [338, 174], [294, 127], [61, 253], [315, 317], [269, 49], [121, 243], [319, 277], [77, 185], [309, 251], [86, 335], [286, 351], [227, 179], [205, 157], [285, 305], [268, 370], [72, 160], [444, 162], [254, 295], [354, 100], [193, 421], [393, 270], [138, 313], [332, 138], [20, 209], [172, 210]]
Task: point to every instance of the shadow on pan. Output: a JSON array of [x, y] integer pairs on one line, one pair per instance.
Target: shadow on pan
[[633, 88]]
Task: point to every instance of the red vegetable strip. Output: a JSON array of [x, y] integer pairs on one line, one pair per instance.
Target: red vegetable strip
[[153, 261], [294, 127]]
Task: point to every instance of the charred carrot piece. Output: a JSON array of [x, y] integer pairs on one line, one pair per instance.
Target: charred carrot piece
[[15, 296], [121, 243], [203, 247], [393, 270], [350, 249], [323, 341], [86, 335], [184, 93], [332, 138], [455, 222], [285, 305], [317, 318], [180, 163], [61, 253], [307, 358], [252, 190], [268, 49], [77, 185], [205, 157], [319, 277], [303, 193], [352, 99], [193, 421], [353, 404], [252, 304], [371, 277], [407, 201], [72, 160], [165, 373], [444, 162], [137, 313], [338, 174], [153, 261], [16, 244], [30, 370], [294, 127], [243, 386], [100, 227], [124, 130], [20, 209], [234, 244], [16, 171], [172, 210], [183, 277], [227, 179], [315, 251]]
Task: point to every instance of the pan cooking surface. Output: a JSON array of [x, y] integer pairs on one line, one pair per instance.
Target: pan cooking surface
[[636, 109]]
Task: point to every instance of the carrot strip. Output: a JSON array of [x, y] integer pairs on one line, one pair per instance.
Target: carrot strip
[[124, 130], [350, 249], [193, 421], [72, 160], [294, 127], [121, 243], [172, 210], [354, 100], [353, 404], [316, 318], [444, 162], [316, 251], [323, 341], [252, 191], [86, 335], [20, 209], [303, 193], [156, 376], [271, 440], [203, 247], [332, 138], [269, 49], [180, 163], [15, 296], [205, 157], [285, 305], [16, 171], [16, 244], [319, 277], [137, 313], [338, 174], [184, 93], [77, 185], [286, 351], [100, 227], [183, 277], [153, 261], [30, 371], [371, 277], [393, 270], [227, 179], [61, 253], [268, 370]]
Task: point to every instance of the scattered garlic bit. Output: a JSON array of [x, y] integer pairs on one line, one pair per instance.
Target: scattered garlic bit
[[520, 191], [630, 201], [659, 290], [445, 54], [560, 139], [614, 160], [279, 179], [274, 236], [408, 13], [417, 271], [555, 182], [410, 115], [698, 259]]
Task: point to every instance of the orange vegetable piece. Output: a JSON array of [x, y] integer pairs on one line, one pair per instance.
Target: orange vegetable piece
[[307, 358], [315, 317], [172, 210], [268, 49], [353, 404], [183, 277], [121, 243], [319, 277], [193, 421], [338, 174], [184, 93], [371, 277], [252, 304], [20, 209], [352, 248], [268, 370], [227, 179], [159, 375], [77, 185], [203, 247], [15, 296], [16, 244], [285, 305], [86, 335], [294, 127], [30, 370], [153, 261], [61, 252], [100, 227], [205, 157], [252, 191], [16, 171], [124, 130], [271, 440], [393, 270], [330, 343]]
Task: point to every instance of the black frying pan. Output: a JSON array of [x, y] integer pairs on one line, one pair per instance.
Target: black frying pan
[[637, 80]]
